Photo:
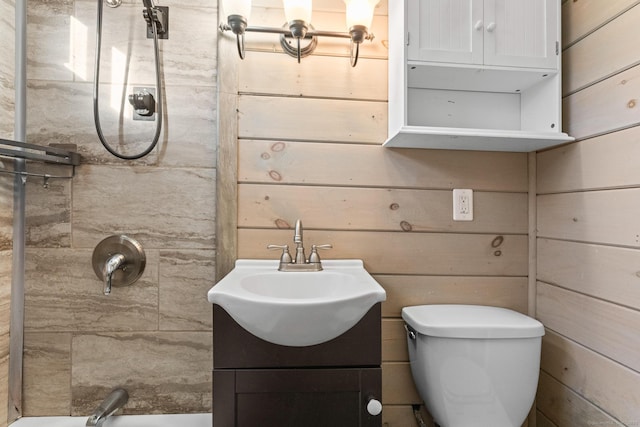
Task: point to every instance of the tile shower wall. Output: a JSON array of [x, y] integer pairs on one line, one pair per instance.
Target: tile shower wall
[[153, 338], [7, 24]]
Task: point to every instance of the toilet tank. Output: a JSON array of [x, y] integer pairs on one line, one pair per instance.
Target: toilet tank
[[474, 363]]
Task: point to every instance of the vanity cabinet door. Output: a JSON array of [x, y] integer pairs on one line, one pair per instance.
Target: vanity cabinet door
[[445, 31], [297, 397]]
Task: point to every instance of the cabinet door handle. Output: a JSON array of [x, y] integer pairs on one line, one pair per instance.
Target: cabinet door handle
[[478, 25], [491, 27]]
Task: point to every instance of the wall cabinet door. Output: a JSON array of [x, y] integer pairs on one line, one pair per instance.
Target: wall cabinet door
[[445, 31], [521, 33], [511, 33]]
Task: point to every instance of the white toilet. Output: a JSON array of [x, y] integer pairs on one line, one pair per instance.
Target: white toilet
[[474, 366]]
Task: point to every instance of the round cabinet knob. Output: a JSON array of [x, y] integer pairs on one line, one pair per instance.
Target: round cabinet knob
[[491, 27], [374, 407]]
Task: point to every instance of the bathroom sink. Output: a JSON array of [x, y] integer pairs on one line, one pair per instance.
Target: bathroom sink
[[295, 308]]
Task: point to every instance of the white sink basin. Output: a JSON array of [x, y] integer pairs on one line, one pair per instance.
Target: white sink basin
[[297, 308]]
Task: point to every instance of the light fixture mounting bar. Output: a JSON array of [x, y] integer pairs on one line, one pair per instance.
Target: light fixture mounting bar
[[287, 33]]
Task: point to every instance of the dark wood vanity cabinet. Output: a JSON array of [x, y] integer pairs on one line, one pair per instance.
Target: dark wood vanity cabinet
[[257, 383]]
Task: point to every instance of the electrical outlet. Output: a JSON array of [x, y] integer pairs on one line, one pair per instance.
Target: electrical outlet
[[462, 204]]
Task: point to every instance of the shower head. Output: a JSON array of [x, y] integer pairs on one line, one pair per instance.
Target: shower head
[[148, 4]]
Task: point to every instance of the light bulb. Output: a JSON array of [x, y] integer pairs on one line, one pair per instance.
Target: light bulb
[[237, 7], [360, 12], [297, 10]]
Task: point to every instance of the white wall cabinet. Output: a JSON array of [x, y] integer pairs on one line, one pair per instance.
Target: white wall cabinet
[[475, 74]]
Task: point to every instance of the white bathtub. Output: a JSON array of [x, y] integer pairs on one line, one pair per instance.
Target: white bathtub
[[179, 420]]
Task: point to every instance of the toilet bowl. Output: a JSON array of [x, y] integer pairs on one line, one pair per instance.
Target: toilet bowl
[[474, 366]]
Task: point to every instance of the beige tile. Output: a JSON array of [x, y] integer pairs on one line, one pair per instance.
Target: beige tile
[[188, 56], [47, 369], [190, 127], [48, 208], [70, 122], [64, 294], [50, 43], [164, 208], [6, 210], [5, 298], [185, 278], [5, 303], [165, 372], [187, 139], [4, 389]]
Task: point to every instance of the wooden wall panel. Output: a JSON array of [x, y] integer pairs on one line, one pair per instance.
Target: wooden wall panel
[[397, 384], [401, 416], [312, 119], [373, 166], [580, 18], [601, 326], [605, 162], [582, 68], [367, 81], [405, 253], [403, 291], [587, 251], [602, 381], [610, 273], [394, 341], [594, 216], [565, 408], [386, 209], [542, 420], [607, 106]]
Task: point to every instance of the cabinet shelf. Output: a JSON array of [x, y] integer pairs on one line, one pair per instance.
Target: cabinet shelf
[[474, 139], [475, 77]]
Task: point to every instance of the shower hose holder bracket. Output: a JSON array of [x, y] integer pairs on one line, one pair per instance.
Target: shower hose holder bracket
[[143, 102], [160, 14]]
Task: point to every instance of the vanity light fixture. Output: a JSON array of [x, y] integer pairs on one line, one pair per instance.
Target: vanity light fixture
[[298, 27]]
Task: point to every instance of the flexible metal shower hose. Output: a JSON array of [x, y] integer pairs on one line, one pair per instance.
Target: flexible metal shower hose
[[96, 84]]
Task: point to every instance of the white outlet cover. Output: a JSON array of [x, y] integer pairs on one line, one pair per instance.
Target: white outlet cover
[[462, 204]]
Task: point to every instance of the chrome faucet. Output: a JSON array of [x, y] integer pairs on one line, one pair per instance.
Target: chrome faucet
[[300, 263], [116, 400], [297, 239], [118, 261], [113, 263]]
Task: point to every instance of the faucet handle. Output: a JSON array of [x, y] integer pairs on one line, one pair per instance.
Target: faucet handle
[[286, 256], [313, 256]]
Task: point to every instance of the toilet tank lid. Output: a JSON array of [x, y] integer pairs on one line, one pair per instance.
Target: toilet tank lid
[[470, 321]]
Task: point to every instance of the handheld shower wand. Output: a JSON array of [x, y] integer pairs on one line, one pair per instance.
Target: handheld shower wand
[[157, 21]]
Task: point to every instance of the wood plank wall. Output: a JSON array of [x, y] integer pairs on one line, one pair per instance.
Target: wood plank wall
[[309, 147], [588, 292]]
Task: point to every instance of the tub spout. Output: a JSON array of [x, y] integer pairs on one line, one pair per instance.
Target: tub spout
[[113, 263], [116, 400]]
